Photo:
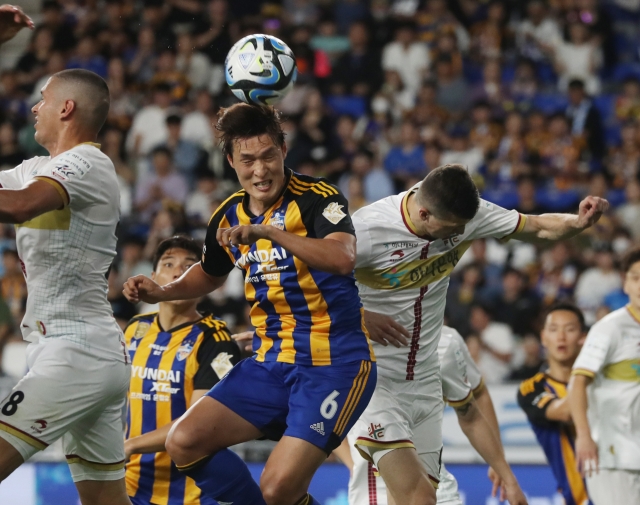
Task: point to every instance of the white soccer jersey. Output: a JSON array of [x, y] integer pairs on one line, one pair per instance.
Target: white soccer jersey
[[404, 275], [66, 253], [611, 355]]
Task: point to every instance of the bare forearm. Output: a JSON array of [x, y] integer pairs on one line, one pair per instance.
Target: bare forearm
[[558, 410], [323, 254], [485, 406], [194, 283], [550, 227], [483, 439], [578, 403], [149, 442]]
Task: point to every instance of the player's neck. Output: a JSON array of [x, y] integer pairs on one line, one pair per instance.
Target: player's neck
[[559, 371], [413, 209], [171, 314], [67, 140]]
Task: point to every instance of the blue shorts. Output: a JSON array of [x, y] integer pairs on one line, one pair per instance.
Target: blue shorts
[[318, 404]]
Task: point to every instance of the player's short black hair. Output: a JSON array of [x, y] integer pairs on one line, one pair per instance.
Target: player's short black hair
[[449, 189], [176, 242], [243, 121], [568, 307], [631, 257], [95, 87]]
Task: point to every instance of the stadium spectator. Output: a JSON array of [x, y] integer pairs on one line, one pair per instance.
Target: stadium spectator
[[215, 31], [580, 58], [86, 57], [33, 64], [461, 151], [516, 305], [375, 182], [149, 123], [629, 213], [628, 101], [188, 158], [537, 34], [532, 359], [10, 153], [405, 161], [596, 283], [193, 64], [586, 123], [453, 91]]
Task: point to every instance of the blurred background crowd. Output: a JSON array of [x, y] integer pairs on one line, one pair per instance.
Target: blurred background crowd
[[539, 99]]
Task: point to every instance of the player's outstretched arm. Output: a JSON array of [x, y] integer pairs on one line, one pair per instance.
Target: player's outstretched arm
[[12, 20], [335, 253], [552, 227], [194, 283], [36, 198], [483, 439], [586, 448]]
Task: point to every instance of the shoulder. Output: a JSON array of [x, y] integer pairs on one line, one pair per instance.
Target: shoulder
[[306, 188], [225, 206], [532, 385], [211, 326], [382, 212], [140, 320], [610, 323]]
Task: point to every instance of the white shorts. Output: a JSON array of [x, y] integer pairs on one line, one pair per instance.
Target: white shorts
[[71, 394], [609, 487], [403, 414]]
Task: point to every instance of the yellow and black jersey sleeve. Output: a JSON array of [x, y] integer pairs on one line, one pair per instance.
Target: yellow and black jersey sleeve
[[534, 398], [216, 260], [323, 208], [216, 355]]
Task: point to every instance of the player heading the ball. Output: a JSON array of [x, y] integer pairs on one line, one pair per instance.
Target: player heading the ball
[[313, 370]]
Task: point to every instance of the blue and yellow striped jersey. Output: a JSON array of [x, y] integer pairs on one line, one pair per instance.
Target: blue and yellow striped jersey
[[301, 315], [556, 438], [167, 366]]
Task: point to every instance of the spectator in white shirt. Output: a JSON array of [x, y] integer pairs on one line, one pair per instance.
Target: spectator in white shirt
[[192, 63], [595, 283], [497, 342], [407, 56], [149, 125], [537, 34], [580, 58]]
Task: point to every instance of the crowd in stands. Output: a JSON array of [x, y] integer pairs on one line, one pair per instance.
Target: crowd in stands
[[539, 99]]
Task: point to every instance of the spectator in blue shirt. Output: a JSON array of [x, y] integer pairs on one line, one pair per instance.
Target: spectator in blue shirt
[[405, 162]]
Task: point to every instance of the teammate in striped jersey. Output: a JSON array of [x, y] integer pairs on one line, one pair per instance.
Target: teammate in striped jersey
[[177, 355]]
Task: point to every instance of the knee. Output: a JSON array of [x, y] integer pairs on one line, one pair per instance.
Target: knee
[[278, 491]]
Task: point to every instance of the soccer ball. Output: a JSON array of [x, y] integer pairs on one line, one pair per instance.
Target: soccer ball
[[260, 69]]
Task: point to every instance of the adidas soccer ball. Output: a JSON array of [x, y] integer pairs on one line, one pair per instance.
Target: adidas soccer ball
[[260, 69]]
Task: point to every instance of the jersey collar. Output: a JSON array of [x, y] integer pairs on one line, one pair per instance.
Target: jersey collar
[[404, 212], [288, 173], [94, 144], [634, 313]]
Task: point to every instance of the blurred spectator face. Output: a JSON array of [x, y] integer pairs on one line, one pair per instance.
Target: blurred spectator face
[[471, 277], [632, 191], [437, 7], [152, 14], [628, 133], [116, 69], [161, 163], [162, 98], [218, 10], [526, 190], [204, 102], [408, 134], [531, 347], [7, 134], [562, 336], [559, 254], [112, 140], [578, 33], [536, 121], [514, 124], [361, 165], [512, 282], [604, 261], [598, 186], [405, 35], [358, 35], [444, 70], [314, 99], [185, 43], [459, 143], [479, 318], [344, 128], [327, 28], [11, 262], [447, 43], [432, 156], [491, 71], [173, 127], [131, 253], [495, 13], [536, 11], [52, 15], [9, 81], [146, 39], [43, 40], [86, 48], [576, 94], [55, 63], [481, 114], [427, 94], [631, 89], [479, 250], [166, 62], [558, 127], [206, 185], [301, 35], [392, 81], [632, 283]]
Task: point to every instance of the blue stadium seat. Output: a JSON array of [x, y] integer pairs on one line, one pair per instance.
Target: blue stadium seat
[[354, 106], [550, 103], [626, 70], [606, 105], [556, 200]]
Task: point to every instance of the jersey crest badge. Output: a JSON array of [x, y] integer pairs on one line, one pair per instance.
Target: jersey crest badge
[[184, 351], [333, 213], [221, 364], [141, 330], [277, 220]]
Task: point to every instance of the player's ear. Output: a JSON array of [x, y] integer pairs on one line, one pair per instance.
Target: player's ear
[[284, 150], [230, 160], [68, 107], [153, 275]]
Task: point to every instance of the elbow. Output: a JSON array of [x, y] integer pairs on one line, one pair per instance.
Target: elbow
[[347, 265]]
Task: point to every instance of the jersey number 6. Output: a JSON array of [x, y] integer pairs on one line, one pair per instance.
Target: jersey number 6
[[329, 406]]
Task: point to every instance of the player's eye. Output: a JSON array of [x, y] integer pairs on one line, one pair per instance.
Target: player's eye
[[168, 265]]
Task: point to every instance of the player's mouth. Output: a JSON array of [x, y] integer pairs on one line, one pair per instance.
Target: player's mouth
[[263, 186]]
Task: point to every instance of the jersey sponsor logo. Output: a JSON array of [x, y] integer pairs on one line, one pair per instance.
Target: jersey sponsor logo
[[376, 431], [163, 387], [333, 213], [39, 425], [262, 256], [70, 165], [184, 351], [451, 241], [221, 364], [319, 427], [62, 172], [400, 245], [397, 255], [154, 374], [158, 349], [394, 277]]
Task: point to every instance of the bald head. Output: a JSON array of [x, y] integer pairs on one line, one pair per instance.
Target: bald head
[[88, 91]]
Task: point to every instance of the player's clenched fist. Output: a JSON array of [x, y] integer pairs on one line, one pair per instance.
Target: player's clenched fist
[[141, 288], [241, 235], [590, 211]]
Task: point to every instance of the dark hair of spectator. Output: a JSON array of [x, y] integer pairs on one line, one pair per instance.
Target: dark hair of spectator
[[95, 87], [243, 121], [569, 307], [161, 150], [630, 258], [177, 242], [448, 190], [576, 84], [173, 119]]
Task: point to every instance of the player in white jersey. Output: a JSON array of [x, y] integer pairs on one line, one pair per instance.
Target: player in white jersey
[[66, 208], [408, 245], [463, 389], [604, 398]]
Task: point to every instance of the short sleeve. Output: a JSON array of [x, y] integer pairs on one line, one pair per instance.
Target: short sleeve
[[594, 352], [363, 245], [534, 399], [216, 260], [331, 215], [216, 356], [455, 385], [75, 175], [12, 178], [493, 221]]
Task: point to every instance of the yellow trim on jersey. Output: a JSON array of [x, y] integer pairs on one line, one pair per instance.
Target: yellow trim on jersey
[[412, 274], [58, 186], [25, 437], [627, 370], [480, 387], [576, 484], [94, 144], [460, 403], [407, 217], [522, 221], [582, 371], [375, 444], [633, 313], [52, 220], [237, 193], [74, 459], [528, 386], [355, 394]]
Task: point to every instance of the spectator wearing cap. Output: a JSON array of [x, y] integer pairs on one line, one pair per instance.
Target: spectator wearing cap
[[497, 342], [188, 158], [149, 127], [585, 119], [405, 161], [407, 56], [595, 283], [164, 183], [461, 151]]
